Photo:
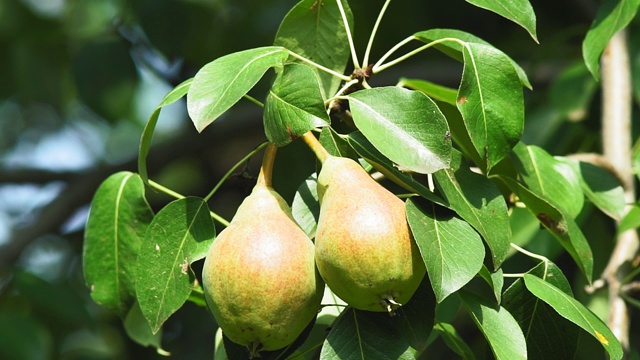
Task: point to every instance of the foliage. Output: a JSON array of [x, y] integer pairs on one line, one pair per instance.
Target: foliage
[[478, 188]]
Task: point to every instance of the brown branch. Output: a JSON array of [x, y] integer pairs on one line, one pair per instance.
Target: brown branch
[[616, 126]]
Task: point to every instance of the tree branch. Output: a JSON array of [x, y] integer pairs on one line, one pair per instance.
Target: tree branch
[[616, 133]]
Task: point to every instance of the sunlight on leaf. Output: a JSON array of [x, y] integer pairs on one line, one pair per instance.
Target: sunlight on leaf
[[221, 83], [404, 125]]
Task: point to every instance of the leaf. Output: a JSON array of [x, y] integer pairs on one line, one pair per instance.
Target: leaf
[[495, 281], [551, 179], [118, 220], [612, 16], [336, 144], [389, 170], [221, 83], [518, 11], [454, 341], [497, 325], [137, 328], [631, 219], [180, 234], [147, 134], [294, 105], [548, 334], [452, 251], [478, 201], [58, 302], [454, 49], [491, 102], [235, 351], [315, 30], [364, 335], [404, 125], [23, 336], [574, 311], [561, 226], [434, 91], [414, 320], [601, 187], [572, 91], [306, 206]]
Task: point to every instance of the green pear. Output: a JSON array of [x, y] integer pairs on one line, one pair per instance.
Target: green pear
[[259, 276], [364, 249]]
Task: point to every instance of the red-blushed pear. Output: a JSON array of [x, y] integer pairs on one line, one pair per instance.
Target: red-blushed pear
[[259, 277], [364, 249]]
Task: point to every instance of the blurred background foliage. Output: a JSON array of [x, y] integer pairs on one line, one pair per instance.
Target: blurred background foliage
[[79, 79]]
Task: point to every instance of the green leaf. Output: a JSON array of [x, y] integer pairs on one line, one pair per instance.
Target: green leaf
[[118, 220], [434, 91], [548, 334], [315, 30], [221, 83], [452, 251], [404, 125], [389, 170], [454, 341], [518, 11], [336, 144], [306, 206], [612, 16], [497, 325], [414, 320], [294, 105], [631, 219], [561, 226], [495, 281], [601, 187], [478, 201], [491, 102], [55, 301], [574, 311], [572, 91], [364, 335], [147, 134], [551, 179], [137, 328], [454, 49], [180, 234], [22, 336]]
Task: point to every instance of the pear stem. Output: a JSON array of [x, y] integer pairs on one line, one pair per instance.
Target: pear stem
[[321, 153], [266, 171]]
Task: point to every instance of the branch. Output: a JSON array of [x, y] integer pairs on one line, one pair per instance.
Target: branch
[[617, 147]]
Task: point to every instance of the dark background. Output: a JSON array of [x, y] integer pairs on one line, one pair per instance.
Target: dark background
[[79, 79]]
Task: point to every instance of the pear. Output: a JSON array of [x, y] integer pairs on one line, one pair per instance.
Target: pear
[[364, 249], [259, 276]]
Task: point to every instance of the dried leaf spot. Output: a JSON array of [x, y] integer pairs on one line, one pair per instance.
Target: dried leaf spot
[[184, 267], [601, 338], [92, 287], [462, 99], [551, 224]]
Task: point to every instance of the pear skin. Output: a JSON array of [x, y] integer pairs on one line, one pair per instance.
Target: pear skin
[[364, 249], [259, 277]]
